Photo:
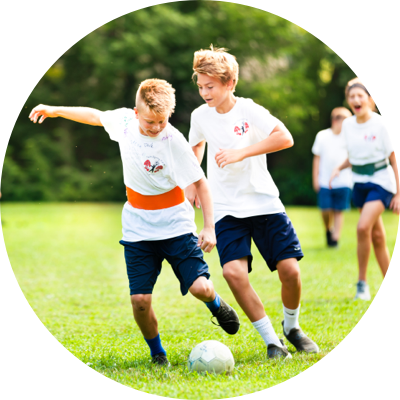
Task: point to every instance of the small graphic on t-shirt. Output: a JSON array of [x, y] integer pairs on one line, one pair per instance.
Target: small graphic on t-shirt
[[241, 127], [153, 165], [369, 137]]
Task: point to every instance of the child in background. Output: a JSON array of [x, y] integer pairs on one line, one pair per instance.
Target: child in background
[[239, 133], [157, 221], [329, 151], [375, 176]]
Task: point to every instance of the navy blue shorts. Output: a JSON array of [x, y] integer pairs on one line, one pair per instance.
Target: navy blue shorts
[[143, 262], [273, 235], [334, 199], [365, 192]]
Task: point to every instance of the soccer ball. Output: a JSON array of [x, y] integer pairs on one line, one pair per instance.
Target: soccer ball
[[211, 356]]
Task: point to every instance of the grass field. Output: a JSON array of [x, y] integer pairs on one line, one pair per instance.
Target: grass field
[[70, 266]]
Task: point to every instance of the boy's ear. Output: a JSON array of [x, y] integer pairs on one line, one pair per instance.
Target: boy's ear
[[229, 84], [136, 112]]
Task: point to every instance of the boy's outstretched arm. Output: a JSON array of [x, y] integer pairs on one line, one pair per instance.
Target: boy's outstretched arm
[[207, 239], [279, 139], [84, 115]]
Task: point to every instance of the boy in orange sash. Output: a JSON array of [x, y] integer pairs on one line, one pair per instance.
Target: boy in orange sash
[[157, 220]]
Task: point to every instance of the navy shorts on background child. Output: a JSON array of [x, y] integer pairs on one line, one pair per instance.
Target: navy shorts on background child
[[365, 192], [273, 234], [334, 199]]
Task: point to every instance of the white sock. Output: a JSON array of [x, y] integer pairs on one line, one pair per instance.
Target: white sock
[[267, 332], [291, 319]]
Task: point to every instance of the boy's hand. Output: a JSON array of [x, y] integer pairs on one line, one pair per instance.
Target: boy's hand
[[395, 204], [207, 240], [316, 187], [191, 195], [335, 173], [228, 156], [41, 111]]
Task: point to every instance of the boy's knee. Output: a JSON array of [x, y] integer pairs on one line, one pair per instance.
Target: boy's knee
[[289, 273], [232, 274], [141, 302], [201, 287]]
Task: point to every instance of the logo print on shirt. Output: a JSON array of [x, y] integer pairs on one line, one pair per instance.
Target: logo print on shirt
[[153, 165], [241, 127], [370, 137]]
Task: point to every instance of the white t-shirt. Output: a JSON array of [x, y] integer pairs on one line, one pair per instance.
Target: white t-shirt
[[153, 166], [368, 143], [245, 188], [332, 150]]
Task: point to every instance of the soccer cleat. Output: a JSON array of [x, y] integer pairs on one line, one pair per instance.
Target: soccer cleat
[[362, 291], [300, 340], [329, 240], [227, 318], [275, 351], [161, 359]]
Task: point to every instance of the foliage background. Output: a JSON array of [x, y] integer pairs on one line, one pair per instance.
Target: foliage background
[[282, 67]]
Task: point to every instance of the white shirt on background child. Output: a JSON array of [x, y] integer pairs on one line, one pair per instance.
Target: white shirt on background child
[[332, 150], [368, 143]]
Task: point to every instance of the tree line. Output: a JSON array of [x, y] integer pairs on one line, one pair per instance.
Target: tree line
[[282, 67]]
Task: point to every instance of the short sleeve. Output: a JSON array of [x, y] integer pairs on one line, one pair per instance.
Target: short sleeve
[[195, 134], [187, 169], [115, 122], [389, 149], [316, 148], [262, 118]]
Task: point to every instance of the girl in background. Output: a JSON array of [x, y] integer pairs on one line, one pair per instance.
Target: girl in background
[[375, 177]]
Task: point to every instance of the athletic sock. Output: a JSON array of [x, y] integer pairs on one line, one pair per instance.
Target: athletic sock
[[267, 332], [215, 304], [155, 346], [291, 319]]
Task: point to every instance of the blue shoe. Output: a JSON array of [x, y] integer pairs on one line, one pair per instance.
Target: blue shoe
[[362, 291]]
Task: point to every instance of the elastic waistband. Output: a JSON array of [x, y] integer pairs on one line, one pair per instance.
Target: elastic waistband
[[169, 199], [370, 169]]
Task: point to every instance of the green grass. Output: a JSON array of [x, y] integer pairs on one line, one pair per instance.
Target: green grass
[[71, 269]]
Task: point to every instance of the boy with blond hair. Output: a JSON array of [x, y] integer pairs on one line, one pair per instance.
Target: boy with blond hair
[[329, 151], [157, 220], [239, 133]]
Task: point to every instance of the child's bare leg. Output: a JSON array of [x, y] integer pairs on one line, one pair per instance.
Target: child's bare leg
[[379, 242], [144, 315], [338, 219], [289, 275], [236, 274], [327, 219], [369, 216], [203, 289]]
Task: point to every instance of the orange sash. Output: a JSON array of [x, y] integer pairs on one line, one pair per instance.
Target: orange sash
[[157, 202]]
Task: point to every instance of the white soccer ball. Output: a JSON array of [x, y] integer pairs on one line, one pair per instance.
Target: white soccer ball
[[211, 356]]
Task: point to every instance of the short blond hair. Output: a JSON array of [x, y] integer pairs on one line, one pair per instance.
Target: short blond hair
[[156, 94], [341, 111], [355, 81], [218, 63]]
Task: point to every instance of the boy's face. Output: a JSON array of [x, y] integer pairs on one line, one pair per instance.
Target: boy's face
[[337, 121], [212, 90], [150, 124]]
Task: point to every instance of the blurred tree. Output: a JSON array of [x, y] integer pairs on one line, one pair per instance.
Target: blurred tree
[[282, 67]]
